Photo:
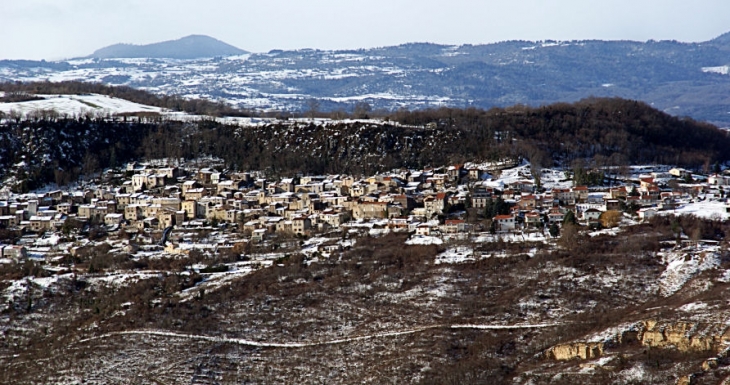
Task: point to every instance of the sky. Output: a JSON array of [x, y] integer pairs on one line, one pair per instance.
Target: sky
[[58, 29]]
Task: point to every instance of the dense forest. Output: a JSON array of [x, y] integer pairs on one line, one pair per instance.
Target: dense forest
[[37, 152], [601, 130], [597, 132]]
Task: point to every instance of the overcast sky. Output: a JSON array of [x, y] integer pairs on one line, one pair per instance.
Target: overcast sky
[[55, 29]]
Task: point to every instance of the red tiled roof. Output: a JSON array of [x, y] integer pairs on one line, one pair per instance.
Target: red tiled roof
[[454, 221]]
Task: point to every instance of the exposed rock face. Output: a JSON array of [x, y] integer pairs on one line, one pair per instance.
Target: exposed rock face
[[684, 336], [710, 364], [686, 380], [589, 350], [628, 336], [580, 350]]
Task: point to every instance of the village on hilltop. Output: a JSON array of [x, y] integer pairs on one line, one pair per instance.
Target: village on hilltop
[[150, 207]]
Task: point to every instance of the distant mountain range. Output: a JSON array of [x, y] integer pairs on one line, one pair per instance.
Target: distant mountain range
[[683, 79], [189, 47]]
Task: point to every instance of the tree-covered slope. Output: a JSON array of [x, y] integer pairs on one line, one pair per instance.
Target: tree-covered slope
[[607, 132]]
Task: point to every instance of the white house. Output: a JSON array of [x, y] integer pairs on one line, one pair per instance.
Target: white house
[[647, 213], [505, 223], [591, 215]]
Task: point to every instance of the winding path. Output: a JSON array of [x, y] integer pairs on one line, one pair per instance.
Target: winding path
[[241, 341]]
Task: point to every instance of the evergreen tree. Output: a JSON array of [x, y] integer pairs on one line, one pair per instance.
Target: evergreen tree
[[569, 218], [554, 230]]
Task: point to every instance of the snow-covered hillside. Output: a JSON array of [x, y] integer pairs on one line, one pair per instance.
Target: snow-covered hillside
[[266, 81], [105, 106], [75, 105], [421, 76]]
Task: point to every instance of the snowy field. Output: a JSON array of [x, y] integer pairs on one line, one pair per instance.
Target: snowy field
[[78, 105], [106, 106], [715, 210]]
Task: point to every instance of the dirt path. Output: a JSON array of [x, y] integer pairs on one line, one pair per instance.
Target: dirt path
[[241, 341]]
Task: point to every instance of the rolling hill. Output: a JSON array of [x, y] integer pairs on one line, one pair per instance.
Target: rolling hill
[[682, 79], [189, 47]]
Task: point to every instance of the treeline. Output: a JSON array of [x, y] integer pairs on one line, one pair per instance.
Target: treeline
[[590, 133], [606, 131], [175, 103], [38, 152], [18, 96], [24, 91]]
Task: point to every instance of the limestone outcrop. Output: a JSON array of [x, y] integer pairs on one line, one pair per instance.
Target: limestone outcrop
[[685, 380], [581, 350], [684, 336]]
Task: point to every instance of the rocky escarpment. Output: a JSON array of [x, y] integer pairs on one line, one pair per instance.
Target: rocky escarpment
[[683, 336], [582, 350]]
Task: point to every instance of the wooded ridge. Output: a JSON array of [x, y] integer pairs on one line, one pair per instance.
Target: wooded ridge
[[599, 132]]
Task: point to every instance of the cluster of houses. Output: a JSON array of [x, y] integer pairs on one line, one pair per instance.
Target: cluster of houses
[[644, 197], [144, 197]]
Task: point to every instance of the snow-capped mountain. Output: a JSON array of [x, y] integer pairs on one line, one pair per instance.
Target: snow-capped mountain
[[679, 78]]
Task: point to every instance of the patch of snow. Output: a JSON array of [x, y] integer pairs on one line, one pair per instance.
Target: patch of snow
[[457, 254], [512, 237], [693, 307], [708, 209], [215, 281], [633, 375], [424, 240], [48, 241], [683, 265], [604, 360], [78, 105], [722, 70], [611, 231], [611, 334], [725, 276], [121, 279]]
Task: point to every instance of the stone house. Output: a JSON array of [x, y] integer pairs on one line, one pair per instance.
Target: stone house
[[452, 226], [435, 204], [527, 202], [533, 219], [370, 210], [580, 193], [301, 225], [40, 223], [113, 219]]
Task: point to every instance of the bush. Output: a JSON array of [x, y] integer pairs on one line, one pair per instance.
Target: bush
[[214, 269]]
